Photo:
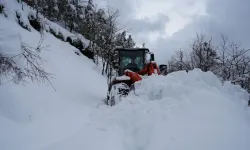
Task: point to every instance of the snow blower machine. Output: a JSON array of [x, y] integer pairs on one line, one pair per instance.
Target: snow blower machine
[[136, 61]]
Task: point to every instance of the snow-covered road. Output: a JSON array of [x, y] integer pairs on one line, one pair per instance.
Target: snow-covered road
[[181, 111]]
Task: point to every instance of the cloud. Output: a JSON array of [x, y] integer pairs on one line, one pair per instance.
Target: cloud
[[231, 18], [126, 8], [148, 25], [225, 16], [166, 26]]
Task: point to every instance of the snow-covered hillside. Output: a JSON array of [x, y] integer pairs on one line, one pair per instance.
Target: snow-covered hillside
[[181, 111]]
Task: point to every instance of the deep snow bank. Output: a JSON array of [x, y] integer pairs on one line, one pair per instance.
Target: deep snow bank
[[182, 111]]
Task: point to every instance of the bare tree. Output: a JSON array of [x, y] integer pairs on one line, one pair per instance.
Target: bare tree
[[239, 65], [223, 51], [179, 61], [203, 53], [9, 69], [33, 70], [110, 30], [227, 60]]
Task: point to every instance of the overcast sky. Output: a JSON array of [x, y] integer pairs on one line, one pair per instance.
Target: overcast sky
[[168, 25]]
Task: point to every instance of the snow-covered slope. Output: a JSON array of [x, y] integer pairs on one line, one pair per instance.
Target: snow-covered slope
[[181, 111], [33, 116]]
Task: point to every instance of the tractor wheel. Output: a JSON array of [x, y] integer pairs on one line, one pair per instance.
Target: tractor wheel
[[116, 93]]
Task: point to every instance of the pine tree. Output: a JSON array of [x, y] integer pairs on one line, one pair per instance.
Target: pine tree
[[130, 42], [143, 45], [69, 17], [89, 14], [51, 11], [121, 40], [62, 5]]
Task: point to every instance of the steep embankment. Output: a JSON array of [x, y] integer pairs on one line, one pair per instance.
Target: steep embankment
[[33, 115]]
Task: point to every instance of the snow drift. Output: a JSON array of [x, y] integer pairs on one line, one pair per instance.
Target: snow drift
[[180, 111]]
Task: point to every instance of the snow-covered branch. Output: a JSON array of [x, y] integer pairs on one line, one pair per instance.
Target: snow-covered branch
[[22, 65]]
